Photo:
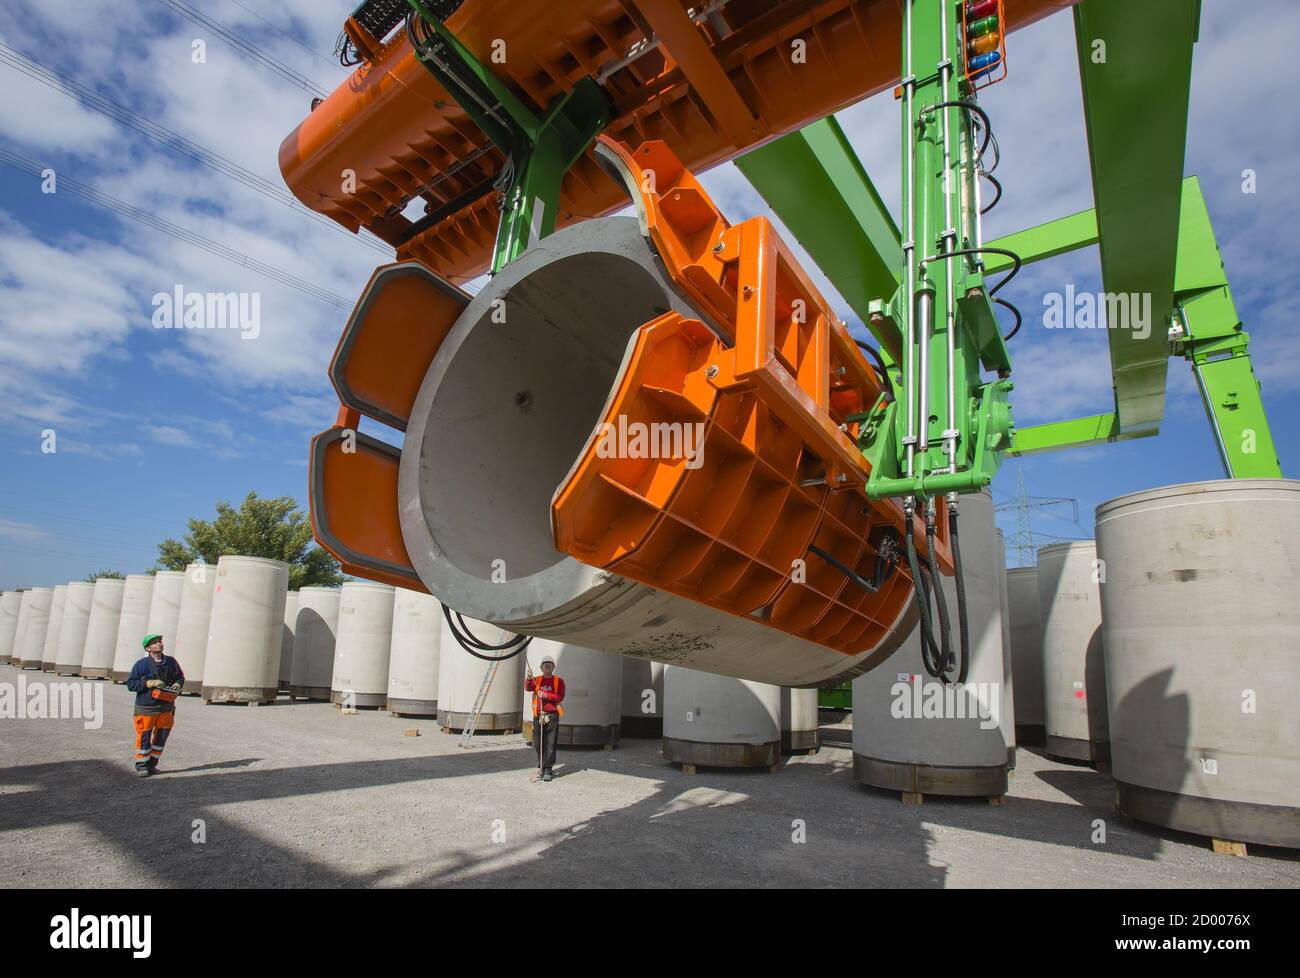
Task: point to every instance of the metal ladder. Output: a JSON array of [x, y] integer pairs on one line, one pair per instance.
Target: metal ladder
[[468, 734]]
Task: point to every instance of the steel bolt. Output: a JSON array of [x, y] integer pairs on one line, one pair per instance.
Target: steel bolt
[[711, 372]]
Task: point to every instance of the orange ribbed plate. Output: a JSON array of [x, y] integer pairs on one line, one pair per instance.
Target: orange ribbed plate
[[730, 527]]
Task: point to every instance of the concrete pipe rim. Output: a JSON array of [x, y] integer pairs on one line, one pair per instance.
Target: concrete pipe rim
[[241, 559], [544, 580], [1208, 487]]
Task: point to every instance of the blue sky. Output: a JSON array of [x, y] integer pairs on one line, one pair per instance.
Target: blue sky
[[155, 426]]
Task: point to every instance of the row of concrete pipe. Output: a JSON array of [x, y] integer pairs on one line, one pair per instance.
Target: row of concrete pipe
[[242, 637], [1168, 650]]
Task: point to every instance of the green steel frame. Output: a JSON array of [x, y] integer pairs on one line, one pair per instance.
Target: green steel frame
[[1154, 235], [540, 149], [938, 329]]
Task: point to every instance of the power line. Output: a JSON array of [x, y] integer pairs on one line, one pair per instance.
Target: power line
[[172, 140], [120, 527], [332, 62], [176, 231], [46, 498], [99, 555], [245, 46]]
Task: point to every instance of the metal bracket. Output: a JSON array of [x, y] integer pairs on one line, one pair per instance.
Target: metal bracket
[[539, 150]]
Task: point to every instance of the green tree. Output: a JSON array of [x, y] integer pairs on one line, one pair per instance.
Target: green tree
[[116, 575], [274, 528]]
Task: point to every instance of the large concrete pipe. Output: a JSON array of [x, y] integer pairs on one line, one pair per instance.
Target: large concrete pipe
[[526, 395], [314, 634], [101, 629], [132, 624], [1026, 634], [10, 604], [643, 697], [33, 623], [799, 723], [365, 632], [165, 607], [413, 660], [461, 676], [286, 641], [718, 721], [1202, 647], [190, 647], [246, 630], [1008, 680], [913, 734], [54, 628], [593, 693], [1074, 670], [72, 634]]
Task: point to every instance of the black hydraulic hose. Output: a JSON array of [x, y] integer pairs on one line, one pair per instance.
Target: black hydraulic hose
[[472, 644], [997, 185], [984, 250], [879, 364], [929, 651], [941, 603], [971, 107], [886, 560], [963, 624], [1016, 312]]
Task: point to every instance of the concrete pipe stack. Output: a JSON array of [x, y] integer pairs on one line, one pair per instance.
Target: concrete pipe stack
[[101, 629], [643, 697], [314, 634], [165, 607], [286, 641], [460, 677], [799, 722], [593, 693], [190, 646], [365, 632], [10, 603], [72, 634], [913, 734], [1074, 669], [1026, 635], [246, 632], [1008, 680], [132, 624], [413, 661], [718, 721], [1202, 647], [53, 628], [33, 623]]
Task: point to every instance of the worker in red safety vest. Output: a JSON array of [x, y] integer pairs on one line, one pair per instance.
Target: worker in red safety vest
[[548, 694]]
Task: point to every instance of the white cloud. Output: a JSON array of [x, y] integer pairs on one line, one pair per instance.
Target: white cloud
[[25, 532], [170, 435]]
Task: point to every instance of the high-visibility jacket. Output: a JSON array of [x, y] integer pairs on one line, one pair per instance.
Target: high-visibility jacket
[[149, 702], [552, 688]]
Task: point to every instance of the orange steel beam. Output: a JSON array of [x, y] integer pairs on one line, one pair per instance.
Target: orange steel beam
[[782, 335], [391, 133], [682, 40]]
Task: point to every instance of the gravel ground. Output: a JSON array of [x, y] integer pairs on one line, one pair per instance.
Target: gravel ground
[[298, 794]]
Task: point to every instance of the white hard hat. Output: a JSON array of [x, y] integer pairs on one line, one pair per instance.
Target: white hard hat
[[546, 659]]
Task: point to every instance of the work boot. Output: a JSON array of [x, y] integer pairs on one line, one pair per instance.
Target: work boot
[[152, 764], [143, 772], [546, 775]]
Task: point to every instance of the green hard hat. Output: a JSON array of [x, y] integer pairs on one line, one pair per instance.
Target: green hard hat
[[148, 639]]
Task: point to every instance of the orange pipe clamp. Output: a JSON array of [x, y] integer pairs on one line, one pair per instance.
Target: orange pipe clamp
[[776, 470]]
